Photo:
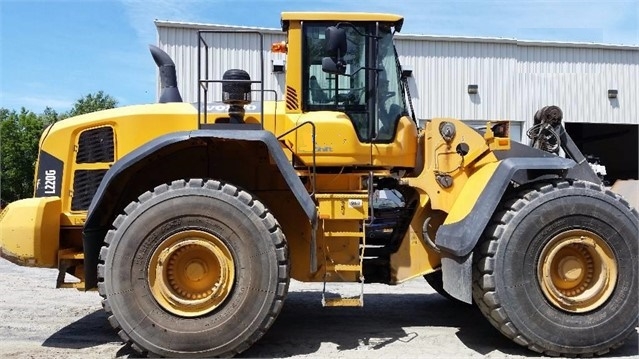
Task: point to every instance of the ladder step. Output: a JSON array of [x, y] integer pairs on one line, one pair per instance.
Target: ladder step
[[347, 226], [370, 251], [359, 195], [343, 302], [344, 234], [70, 254], [76, 285], [344, 267]]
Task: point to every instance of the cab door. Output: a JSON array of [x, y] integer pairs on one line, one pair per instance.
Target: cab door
[[365, 92]]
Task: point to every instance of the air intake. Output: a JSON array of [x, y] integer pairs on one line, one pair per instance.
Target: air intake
[[236, 92]]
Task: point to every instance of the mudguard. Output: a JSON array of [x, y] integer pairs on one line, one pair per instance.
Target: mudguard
[[96, 225]]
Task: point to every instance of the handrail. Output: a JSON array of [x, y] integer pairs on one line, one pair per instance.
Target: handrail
[[314, 183], [206, 80]]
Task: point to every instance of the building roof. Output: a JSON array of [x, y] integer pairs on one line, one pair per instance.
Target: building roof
[[204, 26], [414, 37]]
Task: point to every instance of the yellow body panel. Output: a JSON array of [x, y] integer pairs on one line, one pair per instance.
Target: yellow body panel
[[441, 157], [133, 126], [340, 182], [294, 68], [342, 206], [402, 152], [470, 193], [29, 231], [444, 205], [414, 258], [336, 143]]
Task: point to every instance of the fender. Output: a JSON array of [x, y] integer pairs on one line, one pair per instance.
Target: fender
[[96, 224], [484, 190], [470, 214], [458, 236]]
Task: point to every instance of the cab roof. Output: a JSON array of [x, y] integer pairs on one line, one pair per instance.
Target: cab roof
[[341, 16]]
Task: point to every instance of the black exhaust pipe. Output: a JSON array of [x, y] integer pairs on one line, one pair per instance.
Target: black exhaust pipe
[[168, 78]]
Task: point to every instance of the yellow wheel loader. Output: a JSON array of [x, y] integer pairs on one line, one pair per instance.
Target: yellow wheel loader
[[190, 219]]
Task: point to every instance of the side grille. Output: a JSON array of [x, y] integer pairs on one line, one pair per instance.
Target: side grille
[[95, 145], [85, 183]]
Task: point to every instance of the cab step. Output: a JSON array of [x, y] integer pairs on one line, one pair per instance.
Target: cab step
[[343, 302], [344, 267], [344, 299]]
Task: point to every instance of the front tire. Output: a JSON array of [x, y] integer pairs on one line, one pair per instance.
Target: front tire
[[197, 268], [557, 270]]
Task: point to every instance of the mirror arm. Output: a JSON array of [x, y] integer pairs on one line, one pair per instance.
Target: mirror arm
[[365, 68]]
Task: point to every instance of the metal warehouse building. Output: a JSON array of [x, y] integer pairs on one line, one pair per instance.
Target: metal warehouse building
[[473, 79]]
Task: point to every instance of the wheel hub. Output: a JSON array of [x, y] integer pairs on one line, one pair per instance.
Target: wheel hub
[[195, 270], [577, 271], [191, 273], [571, 268]]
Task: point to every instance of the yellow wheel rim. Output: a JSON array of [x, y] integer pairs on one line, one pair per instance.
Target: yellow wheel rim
[[191, 273], [577, 271]]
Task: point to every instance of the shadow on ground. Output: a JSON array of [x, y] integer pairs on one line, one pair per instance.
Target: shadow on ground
[[304, 325], [90, 331]]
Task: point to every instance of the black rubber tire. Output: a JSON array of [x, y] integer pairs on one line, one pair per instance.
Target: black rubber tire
[[505, 284], [250, 232]]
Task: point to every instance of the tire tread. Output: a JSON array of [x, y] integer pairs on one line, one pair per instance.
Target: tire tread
[[267, 219], [484, 291]]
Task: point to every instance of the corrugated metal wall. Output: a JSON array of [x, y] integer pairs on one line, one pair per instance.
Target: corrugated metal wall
[[226, 51], [514, 78], [578, 80], [517, 79], [442, 72]]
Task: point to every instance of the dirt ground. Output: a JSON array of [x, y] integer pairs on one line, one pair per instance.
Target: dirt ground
[[407, 321]]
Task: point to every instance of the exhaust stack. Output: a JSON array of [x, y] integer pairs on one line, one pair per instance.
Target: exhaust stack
[[168, 78]]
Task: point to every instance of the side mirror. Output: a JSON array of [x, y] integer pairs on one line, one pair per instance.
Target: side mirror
[[335, 47], [329, 65], [335, 41]]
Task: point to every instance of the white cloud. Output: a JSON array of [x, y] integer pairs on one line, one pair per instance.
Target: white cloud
[[141, 14], [611, 21]]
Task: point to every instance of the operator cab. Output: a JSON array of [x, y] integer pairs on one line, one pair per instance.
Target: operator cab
[[346, 71], [352, 67]]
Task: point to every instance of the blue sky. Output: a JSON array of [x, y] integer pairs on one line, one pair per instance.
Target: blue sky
[[53, 52]]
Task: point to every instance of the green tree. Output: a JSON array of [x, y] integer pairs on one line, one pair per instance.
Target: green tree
[[19, 134], [50, 116], [91, 103], [19, 137]]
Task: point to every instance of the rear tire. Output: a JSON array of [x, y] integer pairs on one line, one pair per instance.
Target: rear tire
[[557, 269], [197, 268]]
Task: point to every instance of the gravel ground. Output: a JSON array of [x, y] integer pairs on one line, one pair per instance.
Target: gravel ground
[[406, 321]]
